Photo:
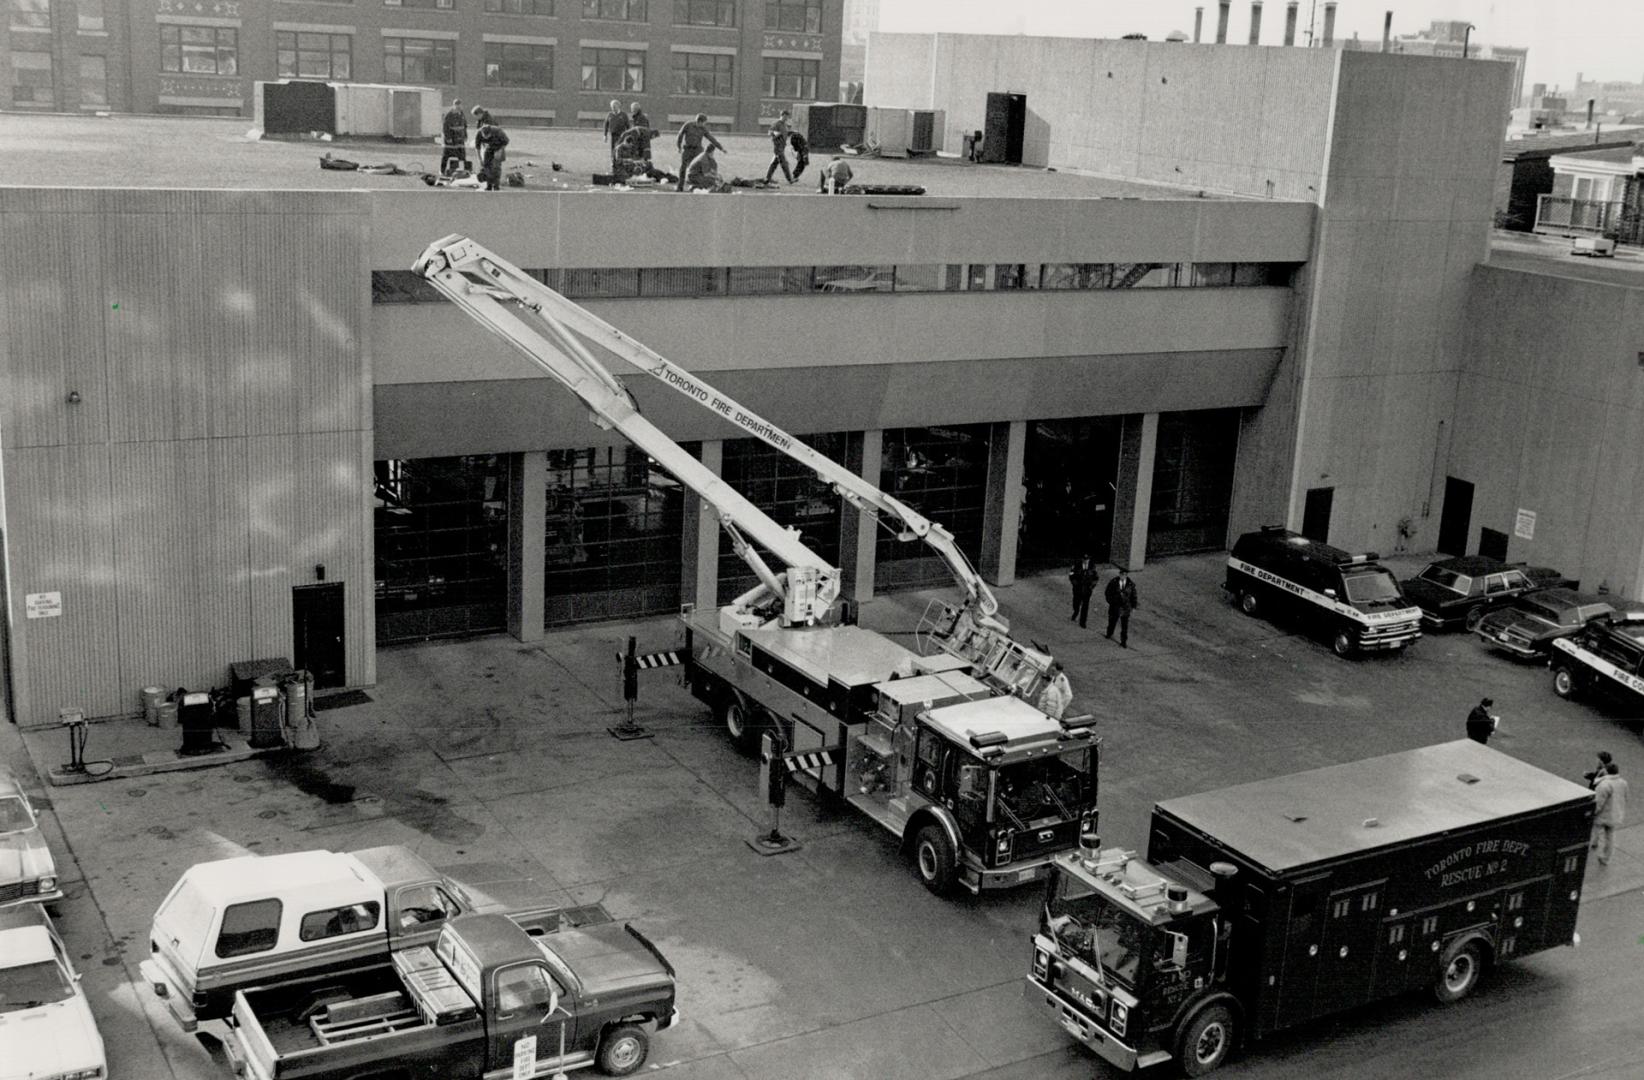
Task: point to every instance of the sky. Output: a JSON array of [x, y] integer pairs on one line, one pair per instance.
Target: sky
[[1602, 39]]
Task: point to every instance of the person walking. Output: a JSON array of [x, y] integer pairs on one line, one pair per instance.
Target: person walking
[[1121, 601], [454, 137], [616, 122], [692, 135], [1609, 810], [1481, 722], [638, 121], [779, 149], [1083, 578], [1057, 694], [1598, 771], [490, 141]]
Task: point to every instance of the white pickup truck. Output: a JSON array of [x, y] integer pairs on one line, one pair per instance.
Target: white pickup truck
[[234, 923]]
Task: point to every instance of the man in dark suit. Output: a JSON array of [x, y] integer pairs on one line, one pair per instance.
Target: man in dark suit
[[1121, 601]]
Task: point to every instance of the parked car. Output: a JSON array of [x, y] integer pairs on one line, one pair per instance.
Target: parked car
[[1459, 591], [28, 874], [1530, 626], [46, 1027]]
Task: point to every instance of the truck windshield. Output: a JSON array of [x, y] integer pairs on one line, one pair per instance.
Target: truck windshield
[[1093, 929], [28, 986], [1048, 787], [14, 815], [1368, 588]]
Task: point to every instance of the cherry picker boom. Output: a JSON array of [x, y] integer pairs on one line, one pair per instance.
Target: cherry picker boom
[[945, 751]]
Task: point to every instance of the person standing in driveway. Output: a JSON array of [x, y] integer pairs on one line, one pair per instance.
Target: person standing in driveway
[[1610, 810], [1481, 722], [1121, 601], [1083, 578]]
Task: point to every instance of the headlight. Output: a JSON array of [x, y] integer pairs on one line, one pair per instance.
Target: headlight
[[81, 1074], [1041, 964], [1003, 846], [47, 884], [1121, 1017]]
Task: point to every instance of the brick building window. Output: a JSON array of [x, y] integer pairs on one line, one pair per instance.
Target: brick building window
[[804, 15], [703, 74], [520, 7], [444, 4], [617, 10], [420, 60], [90, 14], [704, 12], [31, 14], [200, 50], [313, 56], [790, 79], [31, 80], [512, 63], [93, 80], [613, 69]]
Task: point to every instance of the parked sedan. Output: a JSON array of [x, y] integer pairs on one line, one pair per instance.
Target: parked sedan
[[1458, 592], [1529, 627], [27, 873], [46, 1028]]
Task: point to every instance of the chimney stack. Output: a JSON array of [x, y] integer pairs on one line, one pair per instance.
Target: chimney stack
[[1198, 24], [1255, 22], [1221, 21], [1591, 102], [1290, 23], [1329, 21], [1387, 33]]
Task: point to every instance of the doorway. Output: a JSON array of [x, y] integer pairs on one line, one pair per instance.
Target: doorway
[[1316, 514], [317, 633], [1069, 477], [1493, 542], [1006, 121], [1456, 519]]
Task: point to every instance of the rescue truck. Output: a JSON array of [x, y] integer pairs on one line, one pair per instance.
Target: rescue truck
[[1349, 599], [940, 746], [1606, 657], [1268, 904]]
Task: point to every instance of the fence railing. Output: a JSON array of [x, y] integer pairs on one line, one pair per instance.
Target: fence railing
[[1586, 217]]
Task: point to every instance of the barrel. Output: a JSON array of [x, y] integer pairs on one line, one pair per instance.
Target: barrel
[[153, 697]]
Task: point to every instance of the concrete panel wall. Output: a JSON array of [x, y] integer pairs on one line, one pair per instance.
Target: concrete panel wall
[[1550, 418], [1221, 119], [220, 446], [1404, 218], [533, 230]]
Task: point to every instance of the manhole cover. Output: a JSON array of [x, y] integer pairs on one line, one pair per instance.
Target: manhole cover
[[137, 792], [266, 814], [241, 778]]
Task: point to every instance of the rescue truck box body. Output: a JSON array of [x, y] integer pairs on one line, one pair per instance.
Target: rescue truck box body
[[1268, 904], [982, 788], [231, 923], [487, 998], [1347, 599]]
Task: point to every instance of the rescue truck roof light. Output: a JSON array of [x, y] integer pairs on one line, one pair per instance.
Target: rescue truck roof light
[[1362, 557]]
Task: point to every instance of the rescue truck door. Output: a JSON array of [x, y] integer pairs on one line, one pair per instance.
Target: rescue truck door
[[1347, 955], [1301, 949]]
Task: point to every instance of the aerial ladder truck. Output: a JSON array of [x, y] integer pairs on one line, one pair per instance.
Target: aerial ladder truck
[[944, 746]]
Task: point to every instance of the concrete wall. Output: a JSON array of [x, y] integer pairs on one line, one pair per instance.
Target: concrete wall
[[1405, 210], [1550, 418], [217, 446], [1201, 116]]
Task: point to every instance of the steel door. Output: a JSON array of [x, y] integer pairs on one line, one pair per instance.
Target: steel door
[[1316, 514], [1347, 955], [317, 633], [1455, 521], [1301, 950], [407, 108]]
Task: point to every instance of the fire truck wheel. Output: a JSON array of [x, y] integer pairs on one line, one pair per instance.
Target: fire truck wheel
[[623, 1050], [1247, 602], [739, 723], [1206, 1040], [933, 858], [1459, 972], [1564, 683], [1342, 644]]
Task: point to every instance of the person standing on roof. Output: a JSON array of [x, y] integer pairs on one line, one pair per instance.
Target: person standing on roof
[[454, 137], [616, 122], [835, 175], [692, 135], [490, 139], [638, 121], [779, 148]]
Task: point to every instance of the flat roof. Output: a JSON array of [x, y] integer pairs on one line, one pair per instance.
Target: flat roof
[[123, 151], [228, 880], [923, 688], [849, 654], [1011, 717], [1538, 254], [1292, 821]]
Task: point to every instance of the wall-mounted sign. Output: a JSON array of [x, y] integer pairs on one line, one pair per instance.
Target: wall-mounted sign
[[1525, 526], [43, 605]]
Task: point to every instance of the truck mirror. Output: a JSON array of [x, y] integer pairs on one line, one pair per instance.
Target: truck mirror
[[1330, 593], [553, 1007], [1178, 950]]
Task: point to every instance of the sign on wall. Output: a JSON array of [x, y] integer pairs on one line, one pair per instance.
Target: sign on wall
[[1525, 527], [43, 605]]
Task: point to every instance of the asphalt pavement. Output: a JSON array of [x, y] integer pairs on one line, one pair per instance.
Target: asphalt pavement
[[833, 962]]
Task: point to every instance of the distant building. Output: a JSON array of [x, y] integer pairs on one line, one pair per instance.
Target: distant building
[[861, 19], [1449, 37], [531, 62], [1526, 171]]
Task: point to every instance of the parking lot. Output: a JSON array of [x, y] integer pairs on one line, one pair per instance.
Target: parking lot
[[833, 961]]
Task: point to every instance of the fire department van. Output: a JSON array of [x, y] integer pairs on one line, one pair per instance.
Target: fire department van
[[1606, 656], [1346, 598]]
